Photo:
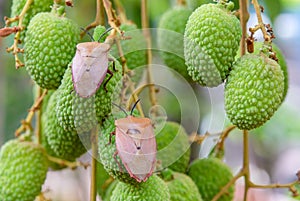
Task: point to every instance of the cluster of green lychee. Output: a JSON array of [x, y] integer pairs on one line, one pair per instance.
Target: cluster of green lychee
[[200, 43]]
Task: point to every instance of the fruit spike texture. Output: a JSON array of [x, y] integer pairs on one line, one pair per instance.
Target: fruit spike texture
[[170, 38], [36, 6], [173, 148], [154, 189], [107, 149], [281, 61], [183, 188], [193, 4], [50, 45], [211, 175], [253, 91], [79, 114], [211, 41], [134, 47], [58, 142], [23, 169]]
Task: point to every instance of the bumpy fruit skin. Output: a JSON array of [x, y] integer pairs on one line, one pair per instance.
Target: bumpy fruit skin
[[253, 91], [170, 38], [50, 45], [173, 148], [210, 175], [79, 114], [183, 188], [107, 150], [134, 48], [281, 61], [211, 41], [60, 143], [36, 6], [23, 169], [154, 189], [99, 30], [109, 191]]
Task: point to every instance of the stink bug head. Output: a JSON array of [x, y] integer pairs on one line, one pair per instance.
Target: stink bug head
[[92, 49]]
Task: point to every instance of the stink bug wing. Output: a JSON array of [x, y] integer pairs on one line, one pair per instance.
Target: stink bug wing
[[139, 163], [89, 67]]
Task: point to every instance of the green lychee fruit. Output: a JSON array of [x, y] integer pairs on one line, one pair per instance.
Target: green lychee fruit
[[79, 114], [173, 147], [211, 41], [170, 38], [261, 48], [254, 91], [281, 61], [23, 169], [134, 48], [98, 31], [211, 175], [183, 188], [109, 190], [36, 6], [154, 189], [50, 45], [67, 145]]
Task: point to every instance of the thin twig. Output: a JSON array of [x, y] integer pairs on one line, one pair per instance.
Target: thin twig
[[99, 19], [261, 24], [70, 164], [94, 141], [38, 118], [14, 48], [244, 16], [26, 124], [147, 34]]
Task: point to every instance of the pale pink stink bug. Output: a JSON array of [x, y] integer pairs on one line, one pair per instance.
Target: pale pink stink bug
[[136, 145], [90, 66]]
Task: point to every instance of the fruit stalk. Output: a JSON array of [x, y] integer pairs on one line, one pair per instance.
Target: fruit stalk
[[94, 141], [261, 24], [147, 34], [38, 116], [244, 16], [26, 124], [99, 19], [14, 48]]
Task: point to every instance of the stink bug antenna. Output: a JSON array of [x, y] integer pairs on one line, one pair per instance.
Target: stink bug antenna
[[88, 33], [120, 108], [105, 32], [133, 107]]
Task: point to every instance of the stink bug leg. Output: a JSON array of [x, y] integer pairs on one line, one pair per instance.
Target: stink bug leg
[[111, 74], [110, 136], [115, 158]]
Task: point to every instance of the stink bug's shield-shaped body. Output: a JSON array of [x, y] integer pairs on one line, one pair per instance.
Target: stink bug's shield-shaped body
[[89, 67], [136, 146]]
